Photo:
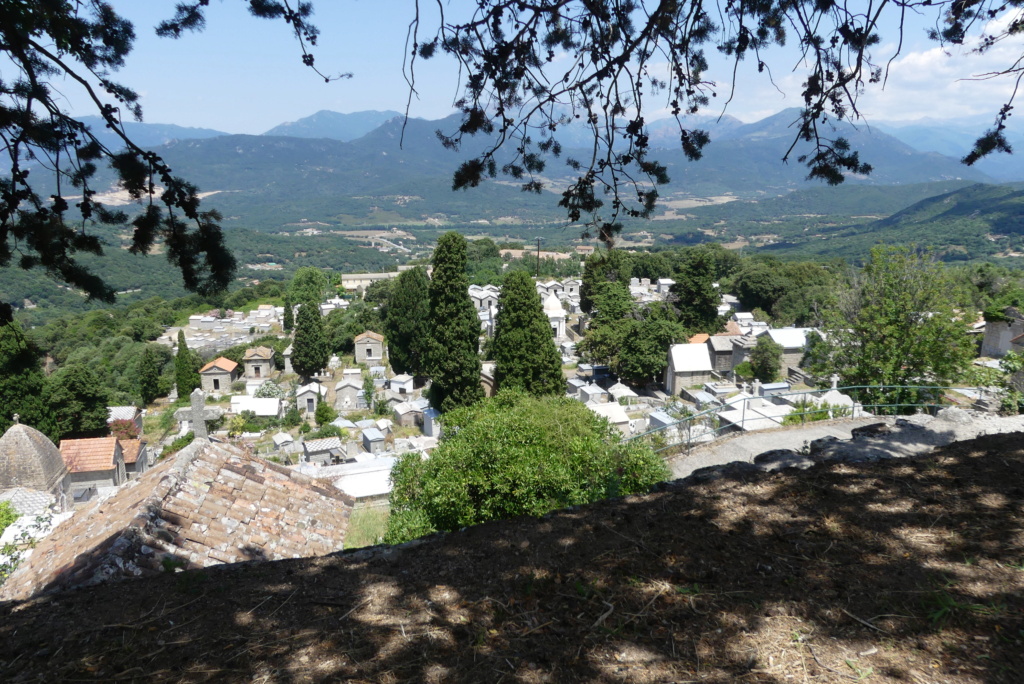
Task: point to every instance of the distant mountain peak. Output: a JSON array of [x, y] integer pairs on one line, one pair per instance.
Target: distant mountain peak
[[334, 125]]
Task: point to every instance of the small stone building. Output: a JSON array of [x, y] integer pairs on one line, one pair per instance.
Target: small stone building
[[93, 463], [556, 316], [132, 414], [403, 384], [348, 395], [688, 365], [369, 348], [218, 375], [720, 348], [323, 451], [259, 362], [28, 459], [1000, 334], [136, 457], [373, 441], [308, 397]]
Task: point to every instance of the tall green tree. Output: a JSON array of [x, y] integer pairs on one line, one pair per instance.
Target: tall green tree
[[310, 352], [309, 284], [766, 359], [759, 285], [696, 294], [149, 376], [289, 314], [901, 324], [523, 348], [186, 367], [643, 353], [603, 266], [77, 401], [453, 358], [22, 381], [407, 322]]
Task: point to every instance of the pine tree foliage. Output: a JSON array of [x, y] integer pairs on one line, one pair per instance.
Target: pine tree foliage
[[523, 348], [186, 368], [453, 358], [310, 352], [407, 322]]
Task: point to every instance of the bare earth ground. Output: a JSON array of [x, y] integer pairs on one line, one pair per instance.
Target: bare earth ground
[[902, 570]]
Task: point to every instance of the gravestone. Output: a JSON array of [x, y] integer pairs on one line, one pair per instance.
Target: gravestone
[[198, 399]]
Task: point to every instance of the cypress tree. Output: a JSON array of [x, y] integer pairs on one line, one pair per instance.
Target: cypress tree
[[310, 352], [453, 359], [149, 376], [289, 315], [407, 322], [523, 349], [186, 367]]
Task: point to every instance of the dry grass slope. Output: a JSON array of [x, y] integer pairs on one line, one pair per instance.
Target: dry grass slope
[[896, 571]]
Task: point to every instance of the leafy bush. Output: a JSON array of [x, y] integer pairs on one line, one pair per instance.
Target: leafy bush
[[269, 390], [515, 455], [124, 429], [7, 515], [325, 413], [743, 371]]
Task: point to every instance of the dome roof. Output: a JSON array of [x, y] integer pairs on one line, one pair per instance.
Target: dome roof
[[552, 306], [29, 459]]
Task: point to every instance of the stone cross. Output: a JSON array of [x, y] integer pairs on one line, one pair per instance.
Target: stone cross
[[756, 390], [198, 398], [835, 381], [745, 387]]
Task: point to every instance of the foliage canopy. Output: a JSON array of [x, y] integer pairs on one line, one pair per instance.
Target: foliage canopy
[[514, 455]]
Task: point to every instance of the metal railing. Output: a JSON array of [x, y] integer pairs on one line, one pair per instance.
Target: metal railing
[[743, 415]]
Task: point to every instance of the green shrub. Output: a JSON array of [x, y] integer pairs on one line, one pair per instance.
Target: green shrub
[[7, 515], [515, 455], [178, 444]]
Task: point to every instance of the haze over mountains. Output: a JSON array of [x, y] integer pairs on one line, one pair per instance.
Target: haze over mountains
[[364, 169]]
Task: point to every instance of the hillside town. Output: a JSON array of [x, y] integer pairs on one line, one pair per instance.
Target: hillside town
[[268, 458]]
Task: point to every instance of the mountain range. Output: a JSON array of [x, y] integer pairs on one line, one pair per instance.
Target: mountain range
[[397, 172]]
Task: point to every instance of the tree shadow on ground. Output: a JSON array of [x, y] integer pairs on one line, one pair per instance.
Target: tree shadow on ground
[[900, 570]]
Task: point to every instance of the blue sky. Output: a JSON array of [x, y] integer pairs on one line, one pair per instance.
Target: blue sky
[[244, 75]]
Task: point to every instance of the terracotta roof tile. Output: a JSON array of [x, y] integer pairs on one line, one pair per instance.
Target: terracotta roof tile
[[258, 354], [221, 363], [699, 338], [88, 455], [210, 504], [731, 328], [369, 334], [130, 449]]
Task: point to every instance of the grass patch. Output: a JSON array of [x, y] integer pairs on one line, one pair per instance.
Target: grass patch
[[366, 527]]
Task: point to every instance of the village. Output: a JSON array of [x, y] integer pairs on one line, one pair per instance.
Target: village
[[236, 493]]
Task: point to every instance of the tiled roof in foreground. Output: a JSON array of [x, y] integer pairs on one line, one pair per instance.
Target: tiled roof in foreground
[[211, 504]]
